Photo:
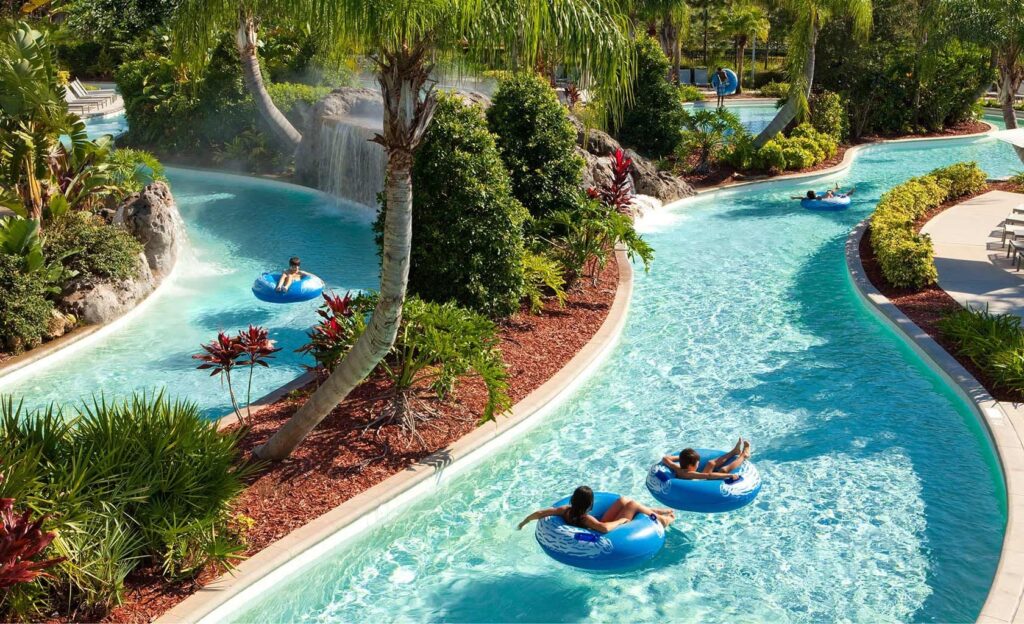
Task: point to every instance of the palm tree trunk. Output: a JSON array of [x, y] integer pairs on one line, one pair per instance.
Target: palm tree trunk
[[789, 110], [1008, 85], [740, 49], [246, 41], [402, 77]]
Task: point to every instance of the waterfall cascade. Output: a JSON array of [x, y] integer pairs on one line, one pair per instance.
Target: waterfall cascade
[[351, 166]]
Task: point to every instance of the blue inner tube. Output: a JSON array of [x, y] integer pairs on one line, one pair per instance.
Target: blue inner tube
[[731, 82], [704, 496], [623, 547], [839, 202], [304, 289]]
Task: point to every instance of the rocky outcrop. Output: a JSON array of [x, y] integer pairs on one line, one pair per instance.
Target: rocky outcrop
[[97, 301], [597, 148], [153, 219]]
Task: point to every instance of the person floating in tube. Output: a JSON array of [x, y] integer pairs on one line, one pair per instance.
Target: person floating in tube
[[723, 86], [291, 274], [685, 464], [830, 194], [577, 512]]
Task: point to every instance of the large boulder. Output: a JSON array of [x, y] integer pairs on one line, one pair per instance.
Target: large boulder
[[597, 148], [98, 301], [153, 219]]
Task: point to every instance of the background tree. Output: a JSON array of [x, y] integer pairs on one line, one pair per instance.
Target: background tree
[[198, 24], [404, 40], [809, 18], [652, 122], [743, 22]]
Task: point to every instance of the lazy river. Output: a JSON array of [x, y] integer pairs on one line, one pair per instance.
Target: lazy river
[[747, 324], [236, 227]]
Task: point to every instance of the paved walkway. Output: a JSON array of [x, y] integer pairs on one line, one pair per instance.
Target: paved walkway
[[972, 263]]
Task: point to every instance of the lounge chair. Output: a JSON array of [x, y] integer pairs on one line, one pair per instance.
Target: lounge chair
[[700, 77], [76, 89]]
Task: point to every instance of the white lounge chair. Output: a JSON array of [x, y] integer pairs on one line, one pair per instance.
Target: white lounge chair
[[76, 89]]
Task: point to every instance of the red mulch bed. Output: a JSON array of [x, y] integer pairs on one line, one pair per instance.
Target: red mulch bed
[[339, 460], [726, 174], [927, 306]]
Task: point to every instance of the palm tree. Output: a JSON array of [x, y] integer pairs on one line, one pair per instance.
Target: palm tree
[[741, 23], [809, 17], [404, 39], [197, 23], [674, 16]]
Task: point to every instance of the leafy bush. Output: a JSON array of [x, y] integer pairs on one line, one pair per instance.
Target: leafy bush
[[537, 143], [690, 93], [125, 483], [342, 320], [828, 114], [964, 178], [770, 157], [93, 247], [24, 308], [708, 133], [467, 227], [544, 278], [774, 89], [651, 122], [797, 157], [994, 342], [132, 170], [805, 147], [905, 257], [22, 542]]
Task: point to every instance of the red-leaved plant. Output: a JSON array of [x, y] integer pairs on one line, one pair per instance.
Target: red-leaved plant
[[250, 348], [342, 320], [572, 96], [617, 194], [21, 541]]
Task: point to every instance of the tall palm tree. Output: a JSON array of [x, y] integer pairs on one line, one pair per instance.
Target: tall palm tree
[[741, 23], [674, 18], [198, 23], [809, 17], [404, 39]]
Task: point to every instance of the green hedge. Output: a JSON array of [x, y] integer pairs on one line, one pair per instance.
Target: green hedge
[[652, 122], [805, 147], [24, 308], [904, 256]]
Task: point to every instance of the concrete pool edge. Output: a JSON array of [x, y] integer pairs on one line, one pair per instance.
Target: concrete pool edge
[[1007, 590], [280, 559]]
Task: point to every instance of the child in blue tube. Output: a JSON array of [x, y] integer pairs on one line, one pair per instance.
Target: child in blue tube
[[685, 464], [292, 274]]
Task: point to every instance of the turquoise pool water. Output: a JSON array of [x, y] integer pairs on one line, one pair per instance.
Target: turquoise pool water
[[755, 116], [882, 501], [237, 227]]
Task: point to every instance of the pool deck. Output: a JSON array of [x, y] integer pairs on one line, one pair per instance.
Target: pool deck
[[1004, 422], [970, 257]]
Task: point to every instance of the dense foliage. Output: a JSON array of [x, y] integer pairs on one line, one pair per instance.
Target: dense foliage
[[805, 147], [707, 134], [208, 117], [913, 74], [91, 247], [25, 308], [144, 481], [994, 342], [829, 115], [904, 256], [537, 143], [467, 227], [651, 122]]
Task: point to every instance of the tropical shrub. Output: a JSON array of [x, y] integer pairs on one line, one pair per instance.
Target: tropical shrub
[[537, 143], [543, 278], [904, 256], [467, 227], [22, 542], [690, 93], [141, 481], [828, 115], [91, 247], [342, 320], [587, 237], [994, 342], [131, 170], [805, 147], [438, 344], [708, 133], [651, 122], [774, 89], [248, 348], [25, 310]]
